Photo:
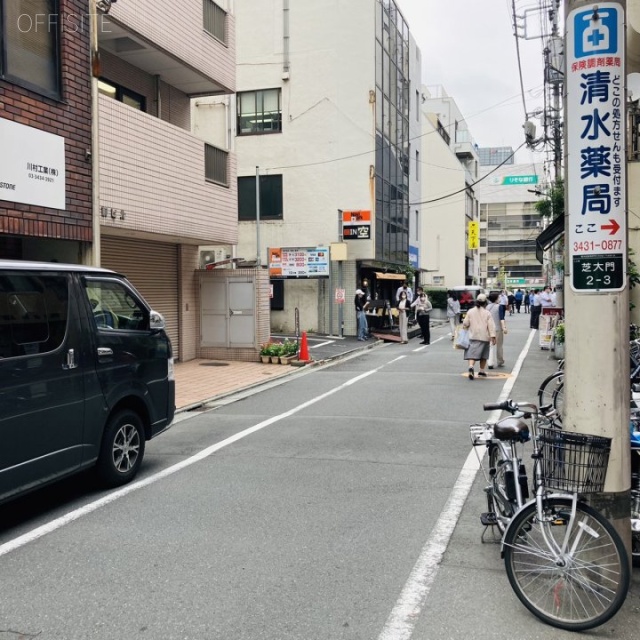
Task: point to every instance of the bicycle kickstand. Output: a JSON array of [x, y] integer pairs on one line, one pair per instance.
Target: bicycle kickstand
[[490, 521]]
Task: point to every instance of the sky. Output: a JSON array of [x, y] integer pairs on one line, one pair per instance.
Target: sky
[[469, 49]]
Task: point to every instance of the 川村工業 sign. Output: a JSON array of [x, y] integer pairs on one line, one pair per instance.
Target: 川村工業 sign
[[595, 121]]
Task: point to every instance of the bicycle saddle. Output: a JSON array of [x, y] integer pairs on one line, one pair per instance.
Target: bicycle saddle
[[511, 429]]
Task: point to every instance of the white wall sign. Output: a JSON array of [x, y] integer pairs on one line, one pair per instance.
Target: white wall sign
[[32, 166], [595, 121]]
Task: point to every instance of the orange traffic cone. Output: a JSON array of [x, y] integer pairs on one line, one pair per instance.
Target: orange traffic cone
[[303, 356]]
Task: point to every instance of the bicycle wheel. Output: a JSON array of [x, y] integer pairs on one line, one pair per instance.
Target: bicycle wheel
[[548, 386], [587, 585], [499, 501], [557, 399]]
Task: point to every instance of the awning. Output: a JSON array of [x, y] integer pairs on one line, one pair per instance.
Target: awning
[[549, 236], [389, 276]]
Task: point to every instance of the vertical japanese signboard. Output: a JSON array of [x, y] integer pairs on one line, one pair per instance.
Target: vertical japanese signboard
[[474, 234], [595, 121]]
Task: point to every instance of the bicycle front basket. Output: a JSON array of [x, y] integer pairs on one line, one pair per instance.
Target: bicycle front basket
[[573, 462]]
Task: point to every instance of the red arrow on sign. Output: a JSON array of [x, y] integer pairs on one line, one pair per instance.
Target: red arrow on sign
[[614, 226]]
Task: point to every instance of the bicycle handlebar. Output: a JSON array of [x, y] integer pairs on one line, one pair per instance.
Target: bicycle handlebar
[[511, 406]]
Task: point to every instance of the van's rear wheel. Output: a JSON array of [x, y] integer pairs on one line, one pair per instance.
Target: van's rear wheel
[[122, 449]]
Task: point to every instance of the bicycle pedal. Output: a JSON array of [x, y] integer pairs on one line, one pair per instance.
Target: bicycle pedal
[[489, 518]]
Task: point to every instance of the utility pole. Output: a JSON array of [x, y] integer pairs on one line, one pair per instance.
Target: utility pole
[[596, 386]]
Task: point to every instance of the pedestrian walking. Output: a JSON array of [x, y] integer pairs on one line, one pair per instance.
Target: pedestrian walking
[[361, 304], [519, 297], [501, 329], [403, 321], [453, 312], [525, 300], [512, 302], [482, 334], [422, 306]]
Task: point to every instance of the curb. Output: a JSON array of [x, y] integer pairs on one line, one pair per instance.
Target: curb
[[294, 369]]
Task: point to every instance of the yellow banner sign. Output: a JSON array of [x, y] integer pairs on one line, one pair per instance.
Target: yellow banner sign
[[474, 234]]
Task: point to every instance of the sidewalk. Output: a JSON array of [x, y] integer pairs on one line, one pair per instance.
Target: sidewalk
[[201, 381]]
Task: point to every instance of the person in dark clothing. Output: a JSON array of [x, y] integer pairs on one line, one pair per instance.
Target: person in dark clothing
[[422, 306]]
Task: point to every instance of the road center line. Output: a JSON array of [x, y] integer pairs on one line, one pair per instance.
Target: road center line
[[403, 618], [60, 522]]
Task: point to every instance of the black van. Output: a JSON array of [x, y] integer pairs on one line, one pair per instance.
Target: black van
[[86, 375]]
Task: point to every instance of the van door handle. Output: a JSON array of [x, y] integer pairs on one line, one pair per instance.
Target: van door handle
[[71, 360], [104, 351]]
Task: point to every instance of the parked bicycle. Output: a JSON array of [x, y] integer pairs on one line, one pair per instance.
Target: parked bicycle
[[564, 560]]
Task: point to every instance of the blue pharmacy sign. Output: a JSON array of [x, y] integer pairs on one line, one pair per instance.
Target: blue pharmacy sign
[[595, 123]]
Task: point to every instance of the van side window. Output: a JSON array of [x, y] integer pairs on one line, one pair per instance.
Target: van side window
[[114, 306], [33, 314]]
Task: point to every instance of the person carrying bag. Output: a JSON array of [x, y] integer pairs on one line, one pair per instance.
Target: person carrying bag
[[482, 333]]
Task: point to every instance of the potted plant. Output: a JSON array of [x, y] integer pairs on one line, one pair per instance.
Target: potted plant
[[289, 351], [559, 341], [265, 352], [276, 352]]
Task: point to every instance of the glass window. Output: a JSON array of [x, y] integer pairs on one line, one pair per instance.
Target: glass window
[[259, 112], [114, 306], [216, 164], [29, 51], [33, 314], [270, 198], [122, 94], [215, 20]]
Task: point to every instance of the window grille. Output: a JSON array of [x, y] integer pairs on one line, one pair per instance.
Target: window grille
[[215, 20], [216, 163]]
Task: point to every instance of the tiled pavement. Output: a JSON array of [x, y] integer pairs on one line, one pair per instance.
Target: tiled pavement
[[201, 380]]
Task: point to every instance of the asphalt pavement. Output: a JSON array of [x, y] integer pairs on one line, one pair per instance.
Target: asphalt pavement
[[468, 594]]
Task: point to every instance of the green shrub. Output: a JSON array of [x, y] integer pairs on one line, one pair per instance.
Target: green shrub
[[438, 298]]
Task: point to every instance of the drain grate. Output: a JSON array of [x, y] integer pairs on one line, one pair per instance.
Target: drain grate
[[214, 364]]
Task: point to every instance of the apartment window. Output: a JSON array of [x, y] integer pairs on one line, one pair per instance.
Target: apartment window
[[259, 112], [29, 45], [270, 198], [122, 94], [417, 105], [215, 20], [417, 166], [216, 162]]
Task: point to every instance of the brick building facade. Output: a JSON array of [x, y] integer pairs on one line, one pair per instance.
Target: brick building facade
[[45, 86]]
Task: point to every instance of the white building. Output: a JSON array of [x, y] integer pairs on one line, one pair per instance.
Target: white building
[[509, 225], [328, 110], [449, 205]]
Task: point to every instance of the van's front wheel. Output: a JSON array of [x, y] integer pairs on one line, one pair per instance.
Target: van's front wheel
[[122, 449]]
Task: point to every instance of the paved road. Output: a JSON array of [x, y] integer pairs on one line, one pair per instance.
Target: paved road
[[319, 508]]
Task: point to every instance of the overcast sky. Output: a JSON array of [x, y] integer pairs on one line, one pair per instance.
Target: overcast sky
[[469, 49]]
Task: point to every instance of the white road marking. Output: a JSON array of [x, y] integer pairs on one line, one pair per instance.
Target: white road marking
[[403, 618], [322, 344], [45, 529], [424, 346]]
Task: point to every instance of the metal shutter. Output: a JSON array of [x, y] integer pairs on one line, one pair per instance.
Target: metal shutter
[[152, 267]]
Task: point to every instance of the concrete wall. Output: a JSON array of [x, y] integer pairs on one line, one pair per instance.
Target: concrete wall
[[444, 221]]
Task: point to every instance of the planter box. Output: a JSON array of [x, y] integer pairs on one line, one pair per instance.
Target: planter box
[[287, 359], [265, 359], [558, 351], [275, 359]]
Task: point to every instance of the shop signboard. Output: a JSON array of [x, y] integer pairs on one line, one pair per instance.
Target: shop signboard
[[356, 225], [32, 166], [595, 121], [298, 262]]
